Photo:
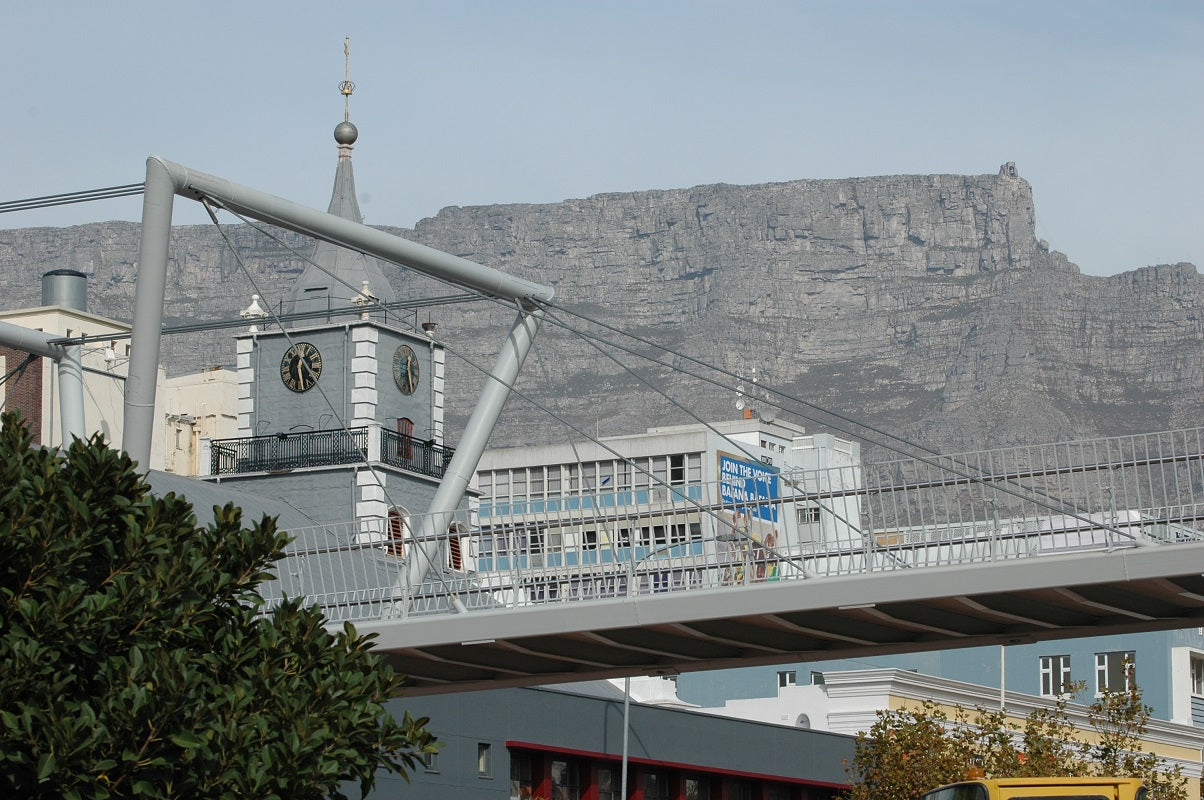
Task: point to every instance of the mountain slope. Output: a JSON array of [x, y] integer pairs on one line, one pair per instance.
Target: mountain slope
[[922, 304]]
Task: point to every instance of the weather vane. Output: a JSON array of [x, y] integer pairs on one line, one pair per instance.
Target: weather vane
[[347, 87]]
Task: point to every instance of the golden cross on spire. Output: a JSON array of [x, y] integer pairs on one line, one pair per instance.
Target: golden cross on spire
[[347, 87]]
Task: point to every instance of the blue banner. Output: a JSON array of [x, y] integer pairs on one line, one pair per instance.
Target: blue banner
[[748, 485]]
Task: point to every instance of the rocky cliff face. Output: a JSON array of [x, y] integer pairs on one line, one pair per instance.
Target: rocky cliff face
[[923, 305]]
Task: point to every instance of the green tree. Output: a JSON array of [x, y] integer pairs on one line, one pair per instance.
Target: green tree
[[1118, 719], [909, 751], [135, 660]]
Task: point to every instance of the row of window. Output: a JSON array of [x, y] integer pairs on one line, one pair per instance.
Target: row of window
[[503, 541], [789, 677], [590, 477], [399, 533], [562, 778], [1114, 672]]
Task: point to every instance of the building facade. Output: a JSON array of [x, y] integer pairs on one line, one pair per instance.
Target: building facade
[[567, 744], [1168, 667], [673, 508], [31, 384]]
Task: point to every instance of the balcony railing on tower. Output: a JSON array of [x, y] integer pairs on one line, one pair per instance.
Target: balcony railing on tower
[[415, 455], [282, 451]]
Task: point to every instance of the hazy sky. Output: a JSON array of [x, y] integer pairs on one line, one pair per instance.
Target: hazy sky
[[464, 103]]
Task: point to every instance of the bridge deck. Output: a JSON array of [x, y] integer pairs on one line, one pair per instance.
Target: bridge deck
[[1002, 546], [1004, 602]]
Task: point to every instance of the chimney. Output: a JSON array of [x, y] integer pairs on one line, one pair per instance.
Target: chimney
[[65, 287]]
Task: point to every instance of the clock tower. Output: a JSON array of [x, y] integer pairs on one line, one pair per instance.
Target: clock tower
[[340, 406]]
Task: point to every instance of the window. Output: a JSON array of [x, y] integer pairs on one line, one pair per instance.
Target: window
[[677, 469], [565, 783], [624, 475], [640, 469], [660, 470], [738, 790], [608, 784], [697, 788], [961, 791], [484, 760], [1197, 675], [1055, 675], [606, 475], [808, 515], [777, 791], [535, 540], [786, 678], [430, 762], [656, 786], [1115, 671], [817, 678], [455, 557], [405, 439], [520, 777], [518, 484], [397, 531]]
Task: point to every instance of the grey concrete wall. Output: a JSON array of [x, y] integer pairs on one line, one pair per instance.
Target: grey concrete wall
[[592, 724]]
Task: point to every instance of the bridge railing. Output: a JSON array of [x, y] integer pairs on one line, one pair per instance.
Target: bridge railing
[[1025, 502]]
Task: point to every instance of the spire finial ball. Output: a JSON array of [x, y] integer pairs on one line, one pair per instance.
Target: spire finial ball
[[346, 133]]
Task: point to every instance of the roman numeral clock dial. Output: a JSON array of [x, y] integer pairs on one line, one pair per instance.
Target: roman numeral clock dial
[[301, 367], [405, 369]]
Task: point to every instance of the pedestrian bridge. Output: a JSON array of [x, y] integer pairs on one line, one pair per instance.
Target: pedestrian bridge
[[996, 547]]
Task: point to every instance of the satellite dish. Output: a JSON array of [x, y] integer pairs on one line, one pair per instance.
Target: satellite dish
[[739, 403], [769, 414]]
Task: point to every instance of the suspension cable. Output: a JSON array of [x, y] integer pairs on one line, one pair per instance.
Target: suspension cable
[[85, 196]]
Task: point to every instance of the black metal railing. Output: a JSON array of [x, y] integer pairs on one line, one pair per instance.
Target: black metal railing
[[280, 451], [415, 455]]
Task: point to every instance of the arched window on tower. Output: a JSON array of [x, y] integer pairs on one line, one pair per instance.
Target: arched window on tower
[[455, 553], [399, 523]]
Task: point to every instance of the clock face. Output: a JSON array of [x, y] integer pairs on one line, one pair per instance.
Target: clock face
[[405, 369], [301, 367]]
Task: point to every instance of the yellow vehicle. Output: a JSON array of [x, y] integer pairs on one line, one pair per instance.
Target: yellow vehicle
[[1041, 789]]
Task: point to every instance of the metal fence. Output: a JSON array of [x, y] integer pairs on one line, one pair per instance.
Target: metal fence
[[281, 451], [1024, 502], [415, 455]]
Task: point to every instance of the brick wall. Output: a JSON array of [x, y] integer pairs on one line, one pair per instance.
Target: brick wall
[[23, 389]]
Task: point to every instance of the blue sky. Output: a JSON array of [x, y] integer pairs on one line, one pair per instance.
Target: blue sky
[[462, 103]]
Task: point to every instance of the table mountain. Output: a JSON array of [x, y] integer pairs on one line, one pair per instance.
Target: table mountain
[[923, 305]]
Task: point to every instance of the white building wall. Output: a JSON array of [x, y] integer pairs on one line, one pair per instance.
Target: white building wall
[[200, 407], [103, 378], [848, 702]]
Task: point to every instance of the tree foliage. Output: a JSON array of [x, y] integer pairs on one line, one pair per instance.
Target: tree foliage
[[910, 751], [135, 660]]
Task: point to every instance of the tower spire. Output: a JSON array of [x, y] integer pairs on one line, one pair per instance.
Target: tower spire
[[344, 277], [346, 87]]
